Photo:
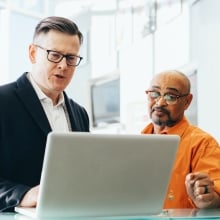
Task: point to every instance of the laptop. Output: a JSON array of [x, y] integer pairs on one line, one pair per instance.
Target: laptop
[[104, 175]]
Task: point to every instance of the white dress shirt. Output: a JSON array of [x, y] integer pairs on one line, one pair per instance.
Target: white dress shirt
[[56, 114]]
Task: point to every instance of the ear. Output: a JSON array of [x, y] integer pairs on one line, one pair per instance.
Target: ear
[[32, 53], [188, 101]]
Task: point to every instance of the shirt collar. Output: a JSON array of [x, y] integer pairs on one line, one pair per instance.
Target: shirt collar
[[178, 129]]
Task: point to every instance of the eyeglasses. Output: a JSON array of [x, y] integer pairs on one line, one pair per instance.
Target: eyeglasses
[[169, 98], [56, 57]]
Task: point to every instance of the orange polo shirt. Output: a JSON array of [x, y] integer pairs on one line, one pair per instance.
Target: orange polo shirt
[[198, 152]]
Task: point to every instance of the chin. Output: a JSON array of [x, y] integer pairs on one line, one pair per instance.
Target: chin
[[158, 121]]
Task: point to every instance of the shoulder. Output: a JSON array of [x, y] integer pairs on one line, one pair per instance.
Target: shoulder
[[199, 136], [9, 87], [4, 89]]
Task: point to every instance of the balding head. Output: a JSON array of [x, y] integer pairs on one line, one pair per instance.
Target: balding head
[[177, 77]]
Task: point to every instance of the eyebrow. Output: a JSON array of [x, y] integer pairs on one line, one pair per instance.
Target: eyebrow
[[68, 54], [168, 88]]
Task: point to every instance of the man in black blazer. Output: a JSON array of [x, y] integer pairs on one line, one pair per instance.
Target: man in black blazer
[[33, 106]]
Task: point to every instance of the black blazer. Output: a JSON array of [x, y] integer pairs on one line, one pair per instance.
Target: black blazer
[[23, 131]]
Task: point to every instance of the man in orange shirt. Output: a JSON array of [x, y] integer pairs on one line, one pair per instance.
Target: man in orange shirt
[[195, 179]]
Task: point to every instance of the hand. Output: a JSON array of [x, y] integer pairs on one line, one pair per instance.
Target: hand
[[30, 198], [200, 189]]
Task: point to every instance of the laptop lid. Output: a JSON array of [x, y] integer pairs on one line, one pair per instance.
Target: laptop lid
[[97, 175]]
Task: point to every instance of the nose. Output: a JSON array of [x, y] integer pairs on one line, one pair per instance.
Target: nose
[[160, 101], [62, 64]]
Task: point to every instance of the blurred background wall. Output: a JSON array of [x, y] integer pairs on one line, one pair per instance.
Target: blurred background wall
[[128, 40]]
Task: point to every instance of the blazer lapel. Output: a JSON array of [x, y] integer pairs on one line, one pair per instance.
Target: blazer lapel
[[70, 113], [30, 100]]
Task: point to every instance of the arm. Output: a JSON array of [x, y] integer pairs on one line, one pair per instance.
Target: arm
[[11, 194], [203, 179]]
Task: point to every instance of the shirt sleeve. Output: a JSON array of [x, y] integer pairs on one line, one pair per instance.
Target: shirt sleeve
[[11, 194], [206, 159]]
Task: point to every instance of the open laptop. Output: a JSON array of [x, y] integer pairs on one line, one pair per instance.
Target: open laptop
[[104, 175]]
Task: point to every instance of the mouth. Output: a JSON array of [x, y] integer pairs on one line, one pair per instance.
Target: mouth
[[160, 111], [59, 76]]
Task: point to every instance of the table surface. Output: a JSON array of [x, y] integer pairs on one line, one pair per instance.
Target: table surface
[[170, 214]]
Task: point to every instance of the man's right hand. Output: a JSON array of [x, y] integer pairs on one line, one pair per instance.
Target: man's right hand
[[30, 198]]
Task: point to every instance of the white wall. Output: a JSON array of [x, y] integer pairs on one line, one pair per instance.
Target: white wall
[[78, 87], [205, 52], [136, 67], [14, 43]]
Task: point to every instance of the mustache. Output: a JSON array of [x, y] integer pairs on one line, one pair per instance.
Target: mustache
[[160, 109]]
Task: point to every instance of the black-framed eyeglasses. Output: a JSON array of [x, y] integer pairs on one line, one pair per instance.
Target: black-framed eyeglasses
[[170, 99], [56, 57]]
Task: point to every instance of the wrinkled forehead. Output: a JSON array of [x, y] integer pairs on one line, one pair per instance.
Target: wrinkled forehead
[[169, 82]]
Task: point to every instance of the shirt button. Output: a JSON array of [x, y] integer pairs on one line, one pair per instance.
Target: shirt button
[[170, 195]]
